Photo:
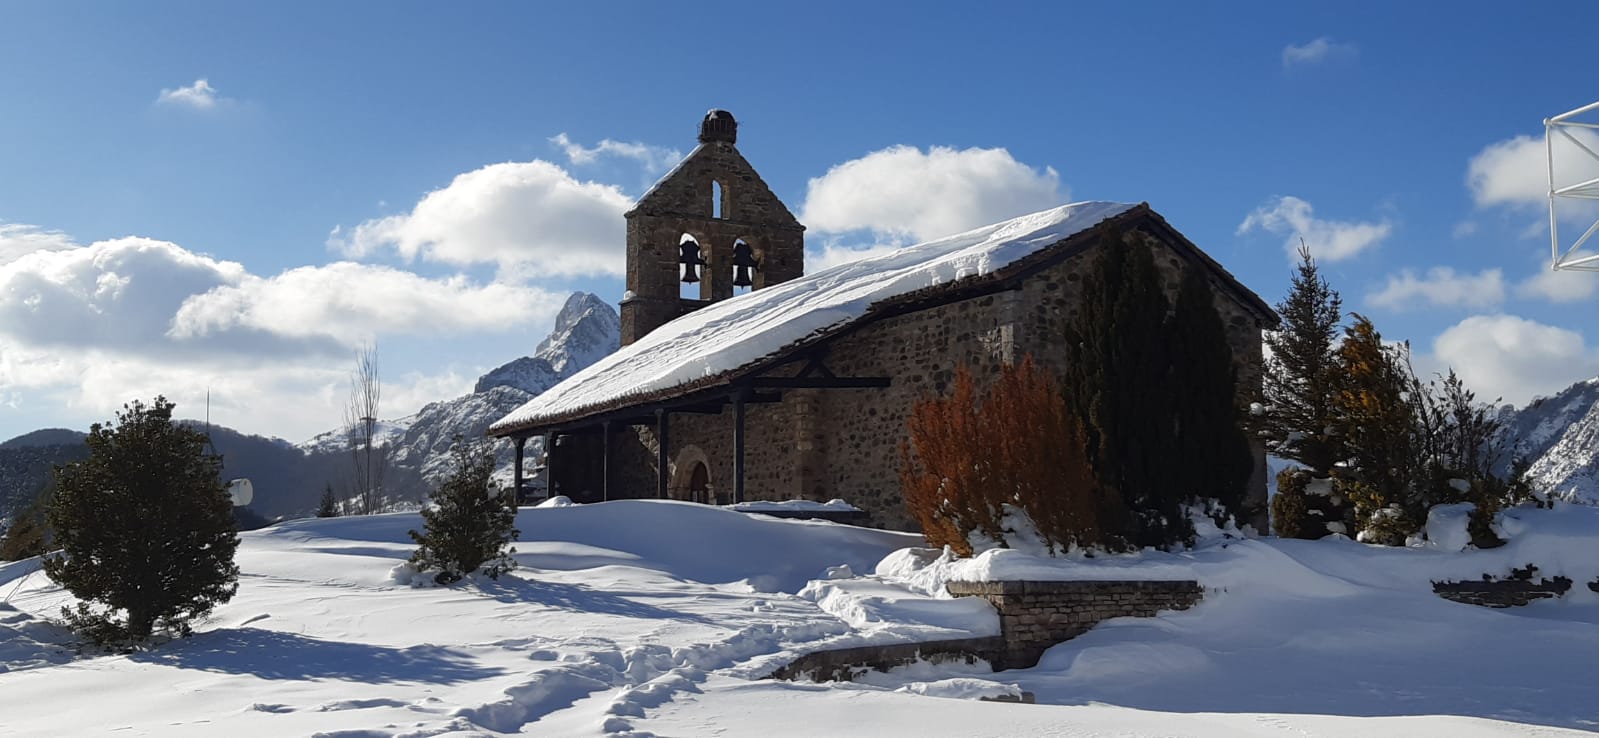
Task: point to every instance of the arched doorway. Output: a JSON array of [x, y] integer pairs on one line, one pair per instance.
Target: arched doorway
[[699, 482], [691, 477]]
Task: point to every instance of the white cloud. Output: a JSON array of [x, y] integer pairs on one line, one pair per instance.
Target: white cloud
[[652, 158], [1319, 50], [1442, 287], [199, 96], [1561, 286], [526, 217], [1465, 229], [1329, 240], [119, 294], [902, 192], [18, 240], [352, 302], [287, 398], [85, 328], [1513, 357], [1515, 172]]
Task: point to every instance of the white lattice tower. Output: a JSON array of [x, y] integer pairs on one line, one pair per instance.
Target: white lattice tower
[[1581, 196]]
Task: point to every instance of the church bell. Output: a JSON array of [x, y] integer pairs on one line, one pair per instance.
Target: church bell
[[743, 262], [691, 261]]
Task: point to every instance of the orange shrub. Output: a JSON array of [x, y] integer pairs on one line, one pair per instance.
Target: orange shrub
[[1016, 444]]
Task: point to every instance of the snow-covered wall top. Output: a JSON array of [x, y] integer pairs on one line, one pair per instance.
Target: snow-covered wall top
[[734, 333]]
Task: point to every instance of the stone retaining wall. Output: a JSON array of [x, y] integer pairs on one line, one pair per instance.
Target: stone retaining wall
[[1033, 616], [844, 664], [1502, 593]]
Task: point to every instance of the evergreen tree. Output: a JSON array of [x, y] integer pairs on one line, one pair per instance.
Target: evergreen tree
[[144, 526], [1117, 382], [468, 528], [1377, 422], [1301, 372], [1211, 451], [329, 508]]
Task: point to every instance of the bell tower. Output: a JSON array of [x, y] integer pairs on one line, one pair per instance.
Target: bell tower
[[709, 229]]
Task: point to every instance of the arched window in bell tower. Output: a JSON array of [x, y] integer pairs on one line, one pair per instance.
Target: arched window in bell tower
[[717, 195], [690, 261]]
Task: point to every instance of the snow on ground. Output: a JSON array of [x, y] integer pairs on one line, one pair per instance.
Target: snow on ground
[[793, 506], [655, 618]]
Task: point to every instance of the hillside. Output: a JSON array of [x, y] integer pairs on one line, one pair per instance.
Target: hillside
[[44, 437], [658, 618], [1559, 436]]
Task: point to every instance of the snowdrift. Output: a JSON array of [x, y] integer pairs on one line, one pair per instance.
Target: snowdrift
[[639, 618]]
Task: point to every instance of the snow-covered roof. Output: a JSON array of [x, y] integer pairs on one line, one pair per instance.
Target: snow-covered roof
[[726, 336]]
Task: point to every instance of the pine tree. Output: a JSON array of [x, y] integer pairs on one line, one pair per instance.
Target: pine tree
[[144, 526], [1117, 382], [1211, 451], [469, 528], [1377, 423], [1301, 372], [329, 508]]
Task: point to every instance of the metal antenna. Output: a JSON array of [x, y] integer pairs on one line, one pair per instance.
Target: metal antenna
[[1568, 127]]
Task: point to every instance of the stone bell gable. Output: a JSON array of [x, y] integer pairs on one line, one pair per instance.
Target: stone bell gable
[[715, 209]]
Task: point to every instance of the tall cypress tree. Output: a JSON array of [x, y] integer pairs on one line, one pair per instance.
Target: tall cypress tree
[[1301, 378], [1212, 452], [1117, 383]]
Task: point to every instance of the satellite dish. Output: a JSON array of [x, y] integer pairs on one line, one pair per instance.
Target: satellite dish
[[242, 492]]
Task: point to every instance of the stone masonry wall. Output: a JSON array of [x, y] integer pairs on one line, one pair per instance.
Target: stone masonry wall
[[1033, 616], [921, 351], [845, 443]]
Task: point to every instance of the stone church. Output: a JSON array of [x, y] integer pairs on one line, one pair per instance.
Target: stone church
[[741, 378]]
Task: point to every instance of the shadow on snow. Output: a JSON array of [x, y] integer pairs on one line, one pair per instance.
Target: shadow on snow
[[273, 655]]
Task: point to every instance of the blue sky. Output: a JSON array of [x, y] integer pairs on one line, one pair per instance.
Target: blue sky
[[235, 196]]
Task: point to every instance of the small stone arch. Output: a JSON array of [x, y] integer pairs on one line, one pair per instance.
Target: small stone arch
[[691, 476]]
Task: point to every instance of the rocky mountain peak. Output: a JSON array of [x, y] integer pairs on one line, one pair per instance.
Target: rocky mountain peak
[[586, 329]]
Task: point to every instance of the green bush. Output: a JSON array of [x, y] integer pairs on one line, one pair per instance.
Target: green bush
[[1290, 507], [145, 528], [469, 527]]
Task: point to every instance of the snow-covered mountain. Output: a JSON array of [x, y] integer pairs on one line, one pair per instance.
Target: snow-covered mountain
[[338, 441], [1559, 435], [586, 329]]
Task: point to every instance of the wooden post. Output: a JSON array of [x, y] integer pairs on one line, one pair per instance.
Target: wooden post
[[549, 464], [516, 492], [661, 454], [605, 460], [738, 446]]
